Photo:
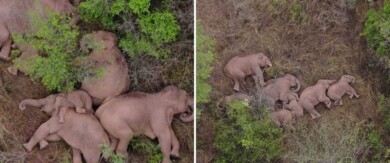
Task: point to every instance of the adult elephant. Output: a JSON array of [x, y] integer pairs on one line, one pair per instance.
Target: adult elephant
[[241, 66], [14, 18], [280, 88], [148, 114], [313, 95], [83, 132], [105, 56]]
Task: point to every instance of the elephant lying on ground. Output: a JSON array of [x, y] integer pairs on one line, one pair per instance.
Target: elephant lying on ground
[[77, 99], [313, 95], [14, 18], [294, 106], [235, 96], [241, 66], [341, 87], [105, 55], [279, 89], [283, 118], [149, 114], [83, 132]]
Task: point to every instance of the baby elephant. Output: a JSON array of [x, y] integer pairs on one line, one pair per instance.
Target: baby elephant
[[293, 105], [148, 114], [283, 118], [77, 99], [337, 90]]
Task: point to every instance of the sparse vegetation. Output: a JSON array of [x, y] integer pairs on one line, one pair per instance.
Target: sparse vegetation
[[114, 158], [247, 135], [145, 146]]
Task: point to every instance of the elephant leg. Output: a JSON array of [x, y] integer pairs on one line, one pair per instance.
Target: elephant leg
[[122, 145], [80, 110], [40, 134], [175, 145], [43, 144], [5, 42], [259, 75], [242, 82], [341, 102], [76, 157], [325, 100], [351, 92], [114, 142], [236, 85], [165, 140], [256, 82], [53, 137], [61, 113]]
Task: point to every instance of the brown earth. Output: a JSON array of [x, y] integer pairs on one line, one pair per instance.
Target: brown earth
[[321, 40]]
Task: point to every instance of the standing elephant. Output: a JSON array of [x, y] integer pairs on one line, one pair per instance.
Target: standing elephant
[[83, 132], [283, 118], [14, 18], [313, 95], [241, 66], [341, 87], [148, 114], [280, 88], [105, 55], [77, 99]]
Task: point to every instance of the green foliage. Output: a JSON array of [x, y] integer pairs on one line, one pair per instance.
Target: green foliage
[[204, 59], [57, 40], [297, 13], [377, 29], [145, 146], [67, 157], [247, 135], [384, 109], [112, 157], [143, 31], [160, 26]]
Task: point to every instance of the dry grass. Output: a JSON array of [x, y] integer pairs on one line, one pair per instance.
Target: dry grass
[[309, 39]]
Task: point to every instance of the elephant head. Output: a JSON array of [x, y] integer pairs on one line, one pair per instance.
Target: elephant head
[[292, 96], [348, 78], [46, 104], [178, 100], [263, 60], [325, 83], [293, 82]]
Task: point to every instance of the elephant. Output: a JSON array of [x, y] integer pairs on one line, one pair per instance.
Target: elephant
[[149, 114], [313, 95], [293, 105], [83, 132], [28, 53], [241, 66], [14, 18], [235, 96], [279, 89], [283, 118], [77, 99], [105, 55], [341, 87]]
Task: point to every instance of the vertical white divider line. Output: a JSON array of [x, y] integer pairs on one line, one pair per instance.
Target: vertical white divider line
[[195, 117]]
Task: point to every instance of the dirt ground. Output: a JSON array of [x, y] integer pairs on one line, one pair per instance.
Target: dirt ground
[[311, 40]]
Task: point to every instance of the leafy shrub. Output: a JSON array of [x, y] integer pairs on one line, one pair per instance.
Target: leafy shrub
[[153, 30], [377, 29], [246, 135], [112, 157], [57, 40], [145, 146], [204, 59]]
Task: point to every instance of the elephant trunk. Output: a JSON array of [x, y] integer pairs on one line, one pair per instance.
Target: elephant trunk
[[185, 117], [298, 86], [30, 102]]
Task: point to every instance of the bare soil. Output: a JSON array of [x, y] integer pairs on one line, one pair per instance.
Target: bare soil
[[320, 41]]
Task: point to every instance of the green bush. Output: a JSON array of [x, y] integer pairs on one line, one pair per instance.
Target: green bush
[[143, 31], [57, 40], [112, 157], [246, 135], [377, 29], [145, 146], [204, 59]]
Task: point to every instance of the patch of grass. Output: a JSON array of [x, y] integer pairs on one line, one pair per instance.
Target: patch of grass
[[297, 13], [330, 141], [204, 59], [246, 135], [384, 109], [67, 157], [145, 146]]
